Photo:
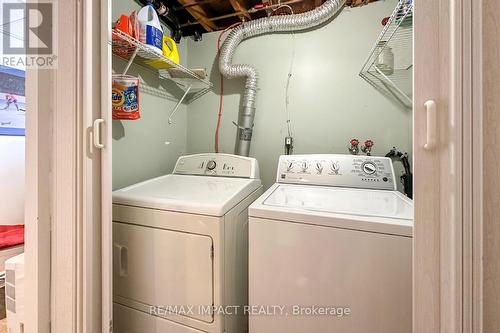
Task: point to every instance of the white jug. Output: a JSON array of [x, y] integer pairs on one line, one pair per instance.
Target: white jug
[[150, 31]]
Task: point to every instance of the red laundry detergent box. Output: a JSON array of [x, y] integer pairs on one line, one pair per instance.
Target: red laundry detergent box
[[125, 97]]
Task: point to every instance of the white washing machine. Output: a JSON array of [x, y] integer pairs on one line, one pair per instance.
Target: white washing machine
[[330, 248], [180, 247]]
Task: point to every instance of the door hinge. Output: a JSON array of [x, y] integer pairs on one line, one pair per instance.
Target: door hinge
[[212, 252], [111, 326]]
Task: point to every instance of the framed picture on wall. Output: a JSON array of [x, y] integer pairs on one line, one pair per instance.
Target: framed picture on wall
[[12, 101]]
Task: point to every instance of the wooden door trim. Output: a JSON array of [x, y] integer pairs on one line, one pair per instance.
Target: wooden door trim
[[473, 147], [491, 160], [475, 304], [468, 102]]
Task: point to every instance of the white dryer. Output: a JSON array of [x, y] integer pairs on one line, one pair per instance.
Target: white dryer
[[331, 243], [180, 247]]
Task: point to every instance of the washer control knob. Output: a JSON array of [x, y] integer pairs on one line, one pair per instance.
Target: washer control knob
[[304, 166], [335, 166], [211, 165], [369, 168], [319, 168]]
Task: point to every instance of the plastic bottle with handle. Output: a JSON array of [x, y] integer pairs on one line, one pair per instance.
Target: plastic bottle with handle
[[169, 51], [150, 31]]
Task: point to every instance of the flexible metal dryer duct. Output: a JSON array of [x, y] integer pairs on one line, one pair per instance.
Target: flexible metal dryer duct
[[282, 23]]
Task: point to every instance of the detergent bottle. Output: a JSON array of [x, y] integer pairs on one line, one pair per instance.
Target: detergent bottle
[[150, 31], [122, 47], [169, 51]]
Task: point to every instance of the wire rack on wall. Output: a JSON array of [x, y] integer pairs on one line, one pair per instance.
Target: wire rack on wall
[[389, 66], [192, 81]]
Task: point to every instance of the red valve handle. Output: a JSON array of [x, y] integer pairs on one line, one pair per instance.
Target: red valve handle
[[354, 142], [369, 143]]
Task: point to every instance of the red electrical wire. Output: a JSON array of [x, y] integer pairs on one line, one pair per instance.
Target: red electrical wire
[[219, 115]]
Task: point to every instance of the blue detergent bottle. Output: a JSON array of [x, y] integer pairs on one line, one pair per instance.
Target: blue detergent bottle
[[150, 31]]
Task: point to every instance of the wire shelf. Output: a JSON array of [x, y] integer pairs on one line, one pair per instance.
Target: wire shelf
[[133, 51], [192, 81], [396, 37]]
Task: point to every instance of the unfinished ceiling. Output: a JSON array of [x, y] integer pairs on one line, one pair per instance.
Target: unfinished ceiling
[[195, 17]]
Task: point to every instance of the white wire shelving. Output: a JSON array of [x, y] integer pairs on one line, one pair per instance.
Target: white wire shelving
[[193, 82], [398, 36]]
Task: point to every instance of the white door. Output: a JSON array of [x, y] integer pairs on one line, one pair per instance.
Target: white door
[[442, 165], [96, 234], [104, 33], [162, 269], [68, 193], [427, 89]]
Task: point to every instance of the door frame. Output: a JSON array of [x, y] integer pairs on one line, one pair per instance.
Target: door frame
[[96, 241], [67, 151], [473, 184], [104, 72], [52, 183], [448, 241], [37, 218], [63, 237]]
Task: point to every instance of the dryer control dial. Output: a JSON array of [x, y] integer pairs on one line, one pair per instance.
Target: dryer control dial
[[211, 165], [217, 165]]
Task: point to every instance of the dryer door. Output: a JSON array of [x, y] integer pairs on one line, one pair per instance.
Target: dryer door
[[163, 269]]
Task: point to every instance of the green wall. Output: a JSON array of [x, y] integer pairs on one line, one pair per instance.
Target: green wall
[[140, 149], [329, 102]]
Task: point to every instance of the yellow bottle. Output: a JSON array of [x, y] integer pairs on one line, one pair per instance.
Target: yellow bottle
[[169, 50]]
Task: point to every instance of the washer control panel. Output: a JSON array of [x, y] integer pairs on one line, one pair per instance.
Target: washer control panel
[[355, 171], [222, 165]]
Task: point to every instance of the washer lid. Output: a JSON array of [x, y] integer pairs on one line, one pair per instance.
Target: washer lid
[[190, 194], [359, 209]]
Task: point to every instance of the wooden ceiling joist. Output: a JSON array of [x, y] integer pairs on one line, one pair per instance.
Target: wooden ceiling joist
[[214, 15], [357, 3], [198, 13], [268, 8], [239, 7]]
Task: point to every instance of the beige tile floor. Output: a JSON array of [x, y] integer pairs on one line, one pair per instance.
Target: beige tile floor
[[3, 325]]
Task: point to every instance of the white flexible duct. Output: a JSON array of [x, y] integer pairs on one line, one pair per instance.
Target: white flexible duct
[[282, 23]]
